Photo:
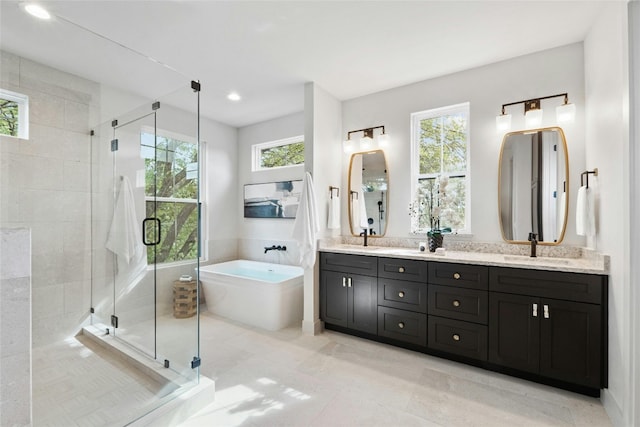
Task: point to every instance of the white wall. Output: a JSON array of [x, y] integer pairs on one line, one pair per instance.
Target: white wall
[[322, 129], [256, 233], [486, 88], [634, 147], [607, 148]]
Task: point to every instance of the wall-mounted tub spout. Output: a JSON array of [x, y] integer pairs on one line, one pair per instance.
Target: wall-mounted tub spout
[[274, 248]]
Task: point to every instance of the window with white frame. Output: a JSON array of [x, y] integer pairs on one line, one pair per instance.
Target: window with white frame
[[14, 114], [440, 165], [278, 154], [171, 188]]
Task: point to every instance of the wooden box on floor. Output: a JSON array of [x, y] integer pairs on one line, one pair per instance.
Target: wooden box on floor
[[185, 299]]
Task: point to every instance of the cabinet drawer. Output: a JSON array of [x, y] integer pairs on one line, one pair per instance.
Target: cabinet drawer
[[402, 325], [457, 337], [402, 294], [460, 275], [347, 263], [403, 269], [457, 303], [548, 284]]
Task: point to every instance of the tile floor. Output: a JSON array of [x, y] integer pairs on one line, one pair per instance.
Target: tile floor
[[77, 383], [286, 378]]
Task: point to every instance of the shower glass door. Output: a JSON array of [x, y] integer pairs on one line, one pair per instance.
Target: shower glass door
[[146, 231], [134, 245]]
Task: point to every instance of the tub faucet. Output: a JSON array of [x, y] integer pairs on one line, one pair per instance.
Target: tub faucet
[[274, 248], [533, 238]]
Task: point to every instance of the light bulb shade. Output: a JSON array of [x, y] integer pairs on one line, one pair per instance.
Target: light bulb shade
[[348, 146], [503, 123], [383, 140], [566, 113], [533, 118], [366, 143]]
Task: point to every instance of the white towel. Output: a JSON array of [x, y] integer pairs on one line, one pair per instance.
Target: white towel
[[562, 210], [585, 212], [333, 221], [124, 237], [364, 218], [306, 225]]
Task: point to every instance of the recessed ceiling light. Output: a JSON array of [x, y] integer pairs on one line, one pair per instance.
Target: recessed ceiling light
[[37, 11], [234, 96]]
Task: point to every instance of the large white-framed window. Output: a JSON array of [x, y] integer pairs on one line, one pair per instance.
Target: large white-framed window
[[282, 153], [14, 114], [171, 188], [440, 170]]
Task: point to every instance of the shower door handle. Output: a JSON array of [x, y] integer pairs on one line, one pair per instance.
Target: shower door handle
[[144, 231]]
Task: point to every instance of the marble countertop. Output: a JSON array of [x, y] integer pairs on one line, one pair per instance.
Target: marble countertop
[[598, 264]]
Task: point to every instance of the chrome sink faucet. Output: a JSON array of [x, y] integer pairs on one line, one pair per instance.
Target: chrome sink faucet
[[533, 238]]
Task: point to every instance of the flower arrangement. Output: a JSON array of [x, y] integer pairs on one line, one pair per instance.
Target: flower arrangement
[[428, 206]]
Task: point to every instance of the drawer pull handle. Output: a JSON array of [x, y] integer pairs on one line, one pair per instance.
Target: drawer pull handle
[[546, 311], [456, 337], [456, 303], [401, 325], [401, 294], [456, 276], [344, 282], [349, 282], [535, 310], [401, 270]]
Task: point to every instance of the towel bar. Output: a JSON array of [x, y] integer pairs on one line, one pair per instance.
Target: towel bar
[[586, 173], [331, 188]]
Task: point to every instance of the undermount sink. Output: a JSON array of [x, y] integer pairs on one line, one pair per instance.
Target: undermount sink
[[540, 260]]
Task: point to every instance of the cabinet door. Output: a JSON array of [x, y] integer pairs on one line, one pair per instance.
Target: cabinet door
[[514, 331], [363, 303], [333, 298], [570, 344]]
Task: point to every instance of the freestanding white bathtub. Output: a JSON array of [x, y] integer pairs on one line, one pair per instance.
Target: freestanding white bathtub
[[265, 295]]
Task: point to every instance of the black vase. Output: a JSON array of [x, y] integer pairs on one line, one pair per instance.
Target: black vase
[[435, 241]]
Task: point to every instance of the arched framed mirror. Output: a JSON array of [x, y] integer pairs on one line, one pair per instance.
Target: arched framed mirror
[[368, 193], [533, 186]]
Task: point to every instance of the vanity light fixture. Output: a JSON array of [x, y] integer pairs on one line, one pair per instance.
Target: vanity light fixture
[[367, 141], [533, 113]]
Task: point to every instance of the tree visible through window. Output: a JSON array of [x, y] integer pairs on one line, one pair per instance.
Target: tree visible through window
[[14, 114], [8, 117], [171, 190], [281, 153], [440, 139]]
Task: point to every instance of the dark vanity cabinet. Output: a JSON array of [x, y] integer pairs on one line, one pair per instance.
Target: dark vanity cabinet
[[402, 300], [548, 326], [458, 308], [349, 291], [548, 323]]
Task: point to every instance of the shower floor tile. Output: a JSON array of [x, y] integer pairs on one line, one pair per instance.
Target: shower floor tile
[[76, 383]]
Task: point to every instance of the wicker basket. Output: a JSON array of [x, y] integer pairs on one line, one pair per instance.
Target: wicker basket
[[185, 299]]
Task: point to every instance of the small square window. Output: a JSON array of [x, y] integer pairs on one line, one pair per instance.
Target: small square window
[[14, 114], [278, 154]]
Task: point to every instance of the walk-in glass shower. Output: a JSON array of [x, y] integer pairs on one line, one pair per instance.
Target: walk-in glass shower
[[146, 233]]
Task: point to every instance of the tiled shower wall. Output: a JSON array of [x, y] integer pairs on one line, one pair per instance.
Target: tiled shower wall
[[15, 315], [45, 186]]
